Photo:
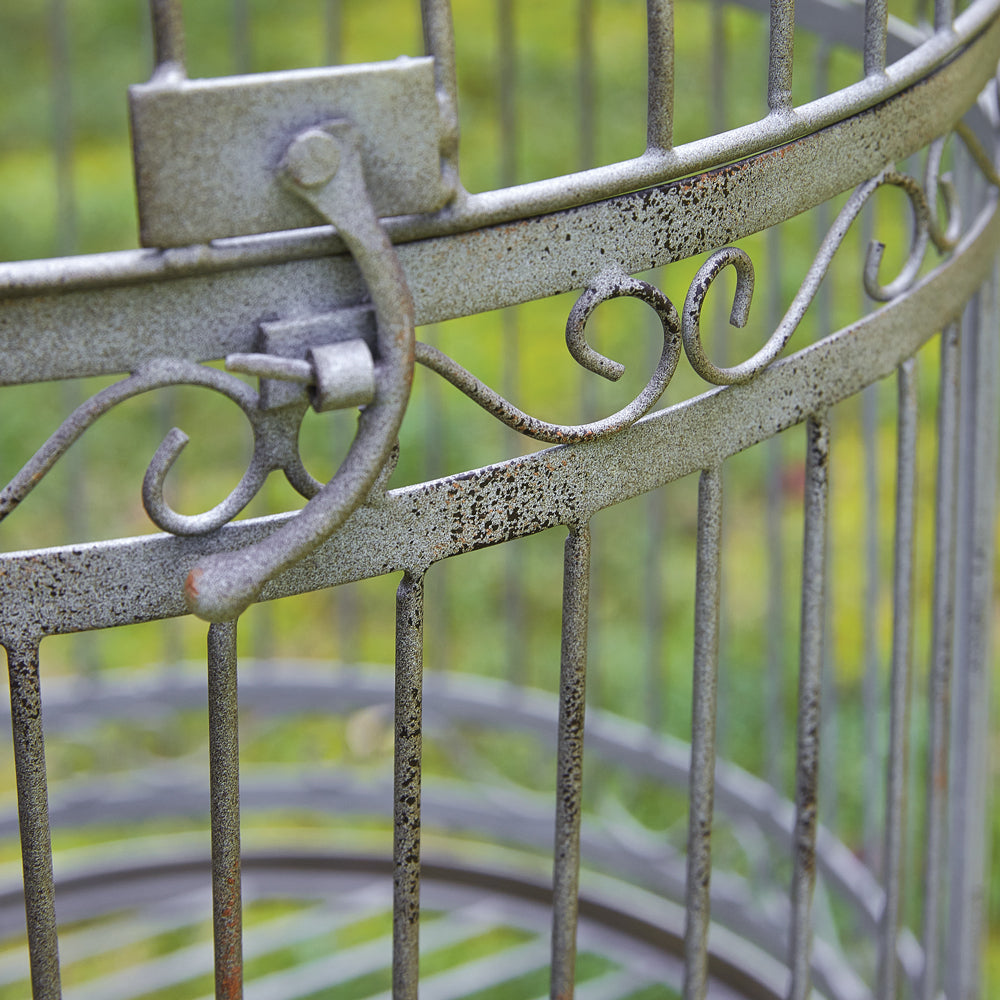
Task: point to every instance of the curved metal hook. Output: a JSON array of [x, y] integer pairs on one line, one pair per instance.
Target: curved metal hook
[[323, 166], [749, 369], [608, 286], [936, 183], [918, 245], [165, 517]]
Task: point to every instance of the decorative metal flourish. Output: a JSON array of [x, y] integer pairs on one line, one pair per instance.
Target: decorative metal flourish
[[749, 369], [608, 285], [271, 449]]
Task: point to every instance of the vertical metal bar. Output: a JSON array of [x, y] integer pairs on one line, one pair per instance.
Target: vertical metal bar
[[876, 35], [585, 64], [944, 14], [829, 771], [871, 696], [439, 42], [974, 569], [224, 776], [660, 85], [717, 69], [510, 376], [808, 737], [242, 48], [902, 642], [62, 128], [507, 87], [168, 37], [406, 787], [33, 818], [569, 777], [779, 70], [774, 677], [702, 772], [942, 647], [333, 23]]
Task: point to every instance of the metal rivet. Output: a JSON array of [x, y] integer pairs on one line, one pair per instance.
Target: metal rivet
[[313, 158]]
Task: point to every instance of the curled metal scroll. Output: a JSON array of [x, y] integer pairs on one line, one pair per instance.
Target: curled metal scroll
[[158, 374], [608, 285], [732, 256]]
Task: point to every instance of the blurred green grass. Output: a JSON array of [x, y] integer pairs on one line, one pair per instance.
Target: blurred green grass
[[443, 432]]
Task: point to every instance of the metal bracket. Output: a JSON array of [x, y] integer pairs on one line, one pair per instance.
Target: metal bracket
[[206, 150], [323, 166]]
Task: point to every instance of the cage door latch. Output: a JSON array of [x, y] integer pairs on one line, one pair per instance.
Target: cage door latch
[[323, 166]]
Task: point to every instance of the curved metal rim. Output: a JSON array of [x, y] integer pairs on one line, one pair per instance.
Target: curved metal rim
[[142, 578], [517, 818]]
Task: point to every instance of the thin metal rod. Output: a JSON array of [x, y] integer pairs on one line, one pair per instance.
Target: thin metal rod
[[902, 646], [774, 674], [969, 786], [224, 776], [507, 88], [702, 772], [942, 655], [779, 71], [406, 787], [569, 778], [585, 64], [333, 23], [33, 817], [717, 68], [808, 737], [944, 14], [660, 86], [242, 45], [871, 687], [514, 561], [439, 42], [168, 37], [876, 35], [62, 128]]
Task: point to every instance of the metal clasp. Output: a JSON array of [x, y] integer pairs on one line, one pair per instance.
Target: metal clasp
[[322, 166]]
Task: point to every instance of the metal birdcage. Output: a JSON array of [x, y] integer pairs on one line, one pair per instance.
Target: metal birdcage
[[801, 813]]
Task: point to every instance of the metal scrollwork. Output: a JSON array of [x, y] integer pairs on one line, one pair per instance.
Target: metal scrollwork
[[753, 366], [608, 285], [156, 374]]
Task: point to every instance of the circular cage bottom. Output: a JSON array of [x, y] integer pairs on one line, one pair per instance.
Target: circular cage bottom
[[135, 915]]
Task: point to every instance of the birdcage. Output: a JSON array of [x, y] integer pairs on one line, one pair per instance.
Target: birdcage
[[767, 574]]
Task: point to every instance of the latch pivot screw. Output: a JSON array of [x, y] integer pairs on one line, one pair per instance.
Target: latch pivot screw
[[313, 158]]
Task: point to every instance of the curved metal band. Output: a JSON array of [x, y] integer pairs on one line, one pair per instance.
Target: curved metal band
[[143, 576]]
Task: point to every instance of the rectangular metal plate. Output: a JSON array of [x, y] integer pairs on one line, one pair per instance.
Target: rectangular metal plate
[[206, 151]]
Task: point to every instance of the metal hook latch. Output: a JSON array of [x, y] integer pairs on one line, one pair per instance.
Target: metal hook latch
[[322, 165]]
